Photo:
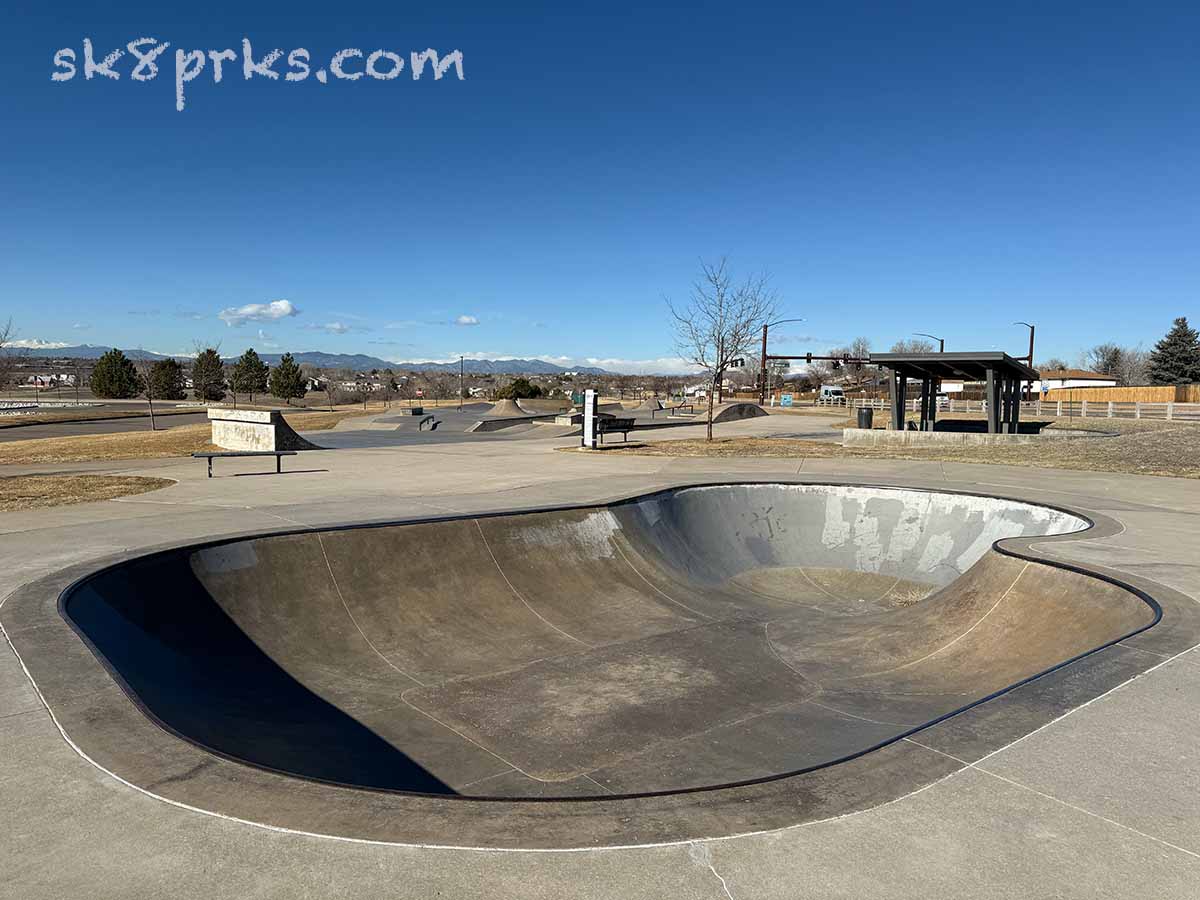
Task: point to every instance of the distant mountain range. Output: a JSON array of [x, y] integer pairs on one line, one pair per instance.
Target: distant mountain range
[[357, 362]]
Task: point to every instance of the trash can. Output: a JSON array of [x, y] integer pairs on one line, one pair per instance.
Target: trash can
[[866, 417]]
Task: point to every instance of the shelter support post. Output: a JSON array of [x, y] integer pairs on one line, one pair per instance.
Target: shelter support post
[[993, 406]]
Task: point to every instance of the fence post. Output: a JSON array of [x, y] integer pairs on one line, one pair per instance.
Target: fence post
[[1170, 411], [1110, 404], [1083, 410], [1058, 411], [1137, 409]]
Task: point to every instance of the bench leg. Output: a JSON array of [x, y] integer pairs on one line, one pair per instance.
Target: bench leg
[[278, 465], [210, 467]]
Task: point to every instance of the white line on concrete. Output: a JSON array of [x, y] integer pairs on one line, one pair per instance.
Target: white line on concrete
[[1043, 794], [517, 593], [354, 621], [947, 646]]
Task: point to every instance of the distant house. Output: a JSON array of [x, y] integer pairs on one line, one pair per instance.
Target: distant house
[[1072, 378], [50, 381]]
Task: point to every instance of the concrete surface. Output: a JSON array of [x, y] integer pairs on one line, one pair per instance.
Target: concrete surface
[[1100, 801], [253, 429], [877, 437]]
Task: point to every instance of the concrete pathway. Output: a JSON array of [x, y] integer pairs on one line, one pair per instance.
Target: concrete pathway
[[1103, 802]]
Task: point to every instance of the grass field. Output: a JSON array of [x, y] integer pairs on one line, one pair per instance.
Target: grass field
[[1140, 447], [89, 415], [40, 491]]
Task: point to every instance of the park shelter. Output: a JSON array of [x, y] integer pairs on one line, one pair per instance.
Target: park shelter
[[1000, 373]]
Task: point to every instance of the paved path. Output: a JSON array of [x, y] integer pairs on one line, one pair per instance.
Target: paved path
[[1104, 802]]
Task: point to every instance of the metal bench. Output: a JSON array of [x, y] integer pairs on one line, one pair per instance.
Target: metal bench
[[605, 426], [278, 454]]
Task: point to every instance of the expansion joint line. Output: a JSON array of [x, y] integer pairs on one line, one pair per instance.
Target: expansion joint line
[[655, 587], [949, 644], [518, 594], [1087, 812], [354, 621]]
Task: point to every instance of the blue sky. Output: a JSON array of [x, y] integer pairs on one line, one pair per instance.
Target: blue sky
[[894, 167]]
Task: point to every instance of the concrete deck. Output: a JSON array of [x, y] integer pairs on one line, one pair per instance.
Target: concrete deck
[[1101, 800]]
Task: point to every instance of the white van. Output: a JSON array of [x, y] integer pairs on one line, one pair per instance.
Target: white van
[[831, 393]]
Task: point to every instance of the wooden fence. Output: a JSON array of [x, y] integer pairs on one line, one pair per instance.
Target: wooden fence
[[1164, 393], [1082, 409]]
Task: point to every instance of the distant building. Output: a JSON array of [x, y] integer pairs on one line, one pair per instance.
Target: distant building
[[1073, 378]]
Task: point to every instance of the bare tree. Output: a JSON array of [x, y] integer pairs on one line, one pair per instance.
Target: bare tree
[[913, 345], [147, 384], [720, 322], [7, 361], [1127, 365]]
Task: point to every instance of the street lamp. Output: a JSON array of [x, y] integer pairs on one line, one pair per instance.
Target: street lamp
[[1030, 357], [461, 363], [762, 375], [932, 337]]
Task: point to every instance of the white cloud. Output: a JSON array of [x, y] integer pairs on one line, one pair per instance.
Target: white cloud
[[466, 320], [257, 312], [35, 344], [81, 326], [670, 365], [329, 327], [267, 341], [662, 364]]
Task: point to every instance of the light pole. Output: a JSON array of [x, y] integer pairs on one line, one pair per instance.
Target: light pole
[[762, 375], [932, 337], [1031, 328], [461, 364], [1029, 358]]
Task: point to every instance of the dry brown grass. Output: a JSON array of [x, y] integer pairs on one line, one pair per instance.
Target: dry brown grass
[[39, 491], [1142, 448], [323, 421], [182, 441], [88, 415]]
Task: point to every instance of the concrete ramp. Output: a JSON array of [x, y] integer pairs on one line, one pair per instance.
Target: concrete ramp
[[692, 638], [506, 409], [543, 406], [651, 405], [254, 429], [732, 412]]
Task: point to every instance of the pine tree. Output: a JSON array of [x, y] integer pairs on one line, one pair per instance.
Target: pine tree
[[1176, 358], [208, 376], [166, 380], [287, 381], [249, 375], [114, 377]]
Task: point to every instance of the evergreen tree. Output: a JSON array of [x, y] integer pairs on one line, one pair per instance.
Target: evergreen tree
[[1176, 358], [519, 389], [249, 375], [287, 381], [166, 380], [208, 376], [114, 377]]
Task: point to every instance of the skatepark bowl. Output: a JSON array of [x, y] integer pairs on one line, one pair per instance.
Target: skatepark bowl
[[690, 640]]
